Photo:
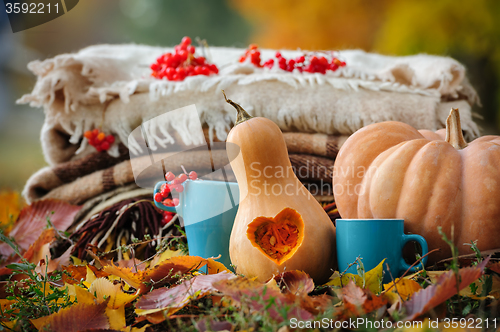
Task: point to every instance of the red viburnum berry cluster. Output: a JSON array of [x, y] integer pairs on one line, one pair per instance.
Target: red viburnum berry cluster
[[99, 140], [174, 183], [183, 63], [309, 62]]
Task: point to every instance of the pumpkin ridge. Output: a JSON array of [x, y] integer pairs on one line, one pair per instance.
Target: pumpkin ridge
[[403, 182], [427, 199], [396, 161]]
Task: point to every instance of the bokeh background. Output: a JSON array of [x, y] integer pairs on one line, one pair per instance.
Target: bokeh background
[[466, 30]]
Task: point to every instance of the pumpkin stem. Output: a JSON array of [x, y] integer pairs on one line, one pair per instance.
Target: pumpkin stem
[[454, 134], [242, 115]]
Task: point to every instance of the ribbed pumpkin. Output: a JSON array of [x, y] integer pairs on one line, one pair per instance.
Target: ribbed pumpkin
[[279, 224], [391, 170]]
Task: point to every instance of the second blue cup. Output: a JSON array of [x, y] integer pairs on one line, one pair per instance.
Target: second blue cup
[[373, 240]]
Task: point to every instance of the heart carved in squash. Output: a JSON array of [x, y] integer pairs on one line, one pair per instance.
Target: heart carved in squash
[[278, 238]]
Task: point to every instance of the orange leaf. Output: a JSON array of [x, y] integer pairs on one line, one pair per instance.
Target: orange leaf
[[170, 270], [446, 287], [33, 219], [214, 267], [171, 300], [295, 282], [134, 279], [10, 206], [278, 238], [40, 248], [161, 274], [78, 317], [79, 273]]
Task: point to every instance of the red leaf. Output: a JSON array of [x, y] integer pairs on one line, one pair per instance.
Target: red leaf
[[208, 324], [295, 282], [33, 219], [171, 300], [445, 287], [259, 298], [358, 301], [495, 266], [78, 317]]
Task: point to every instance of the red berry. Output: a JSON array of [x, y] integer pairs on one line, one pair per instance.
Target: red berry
[[278, 55], [166, 219], [175, 201], [198, 70], [179, 188], [182, 177], [205, 70], [192, 175], [243, 58], [300, 59], [190, 70], [158, 197], [88, 134], [269, 63], [186, 41], [169, 176], [214, 69], [110, 139], [168, 202], [191, 49], [95, 132], [98, 148], [175, 182], [104, 146], [165, 190]]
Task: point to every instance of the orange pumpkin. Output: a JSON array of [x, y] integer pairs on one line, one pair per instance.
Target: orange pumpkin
[[391, 170], [279, 224]]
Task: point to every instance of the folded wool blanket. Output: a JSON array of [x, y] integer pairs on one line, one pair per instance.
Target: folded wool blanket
[[110, 86], [62, 178], [309, 168]]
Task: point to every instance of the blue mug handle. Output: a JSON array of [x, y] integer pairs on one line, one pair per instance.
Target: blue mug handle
[[423, 244], [159, 204]]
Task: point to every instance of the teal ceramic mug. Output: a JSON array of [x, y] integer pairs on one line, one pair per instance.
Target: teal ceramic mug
[[373, 240], [208, 209]]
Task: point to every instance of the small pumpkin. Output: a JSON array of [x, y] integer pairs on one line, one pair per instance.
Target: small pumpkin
[[279, 224], [391, 170]]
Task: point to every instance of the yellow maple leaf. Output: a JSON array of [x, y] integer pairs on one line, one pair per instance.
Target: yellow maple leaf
[[10, 207], [404, 287], [167, 254], [372, 279], [104, 289]]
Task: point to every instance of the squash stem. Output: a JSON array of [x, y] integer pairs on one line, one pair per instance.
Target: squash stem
[[454, 134], [242, 115]]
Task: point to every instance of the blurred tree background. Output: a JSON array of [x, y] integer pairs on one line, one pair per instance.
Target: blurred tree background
[[463, 29]]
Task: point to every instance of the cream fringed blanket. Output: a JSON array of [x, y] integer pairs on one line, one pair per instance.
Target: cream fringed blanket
[[110, 86]]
